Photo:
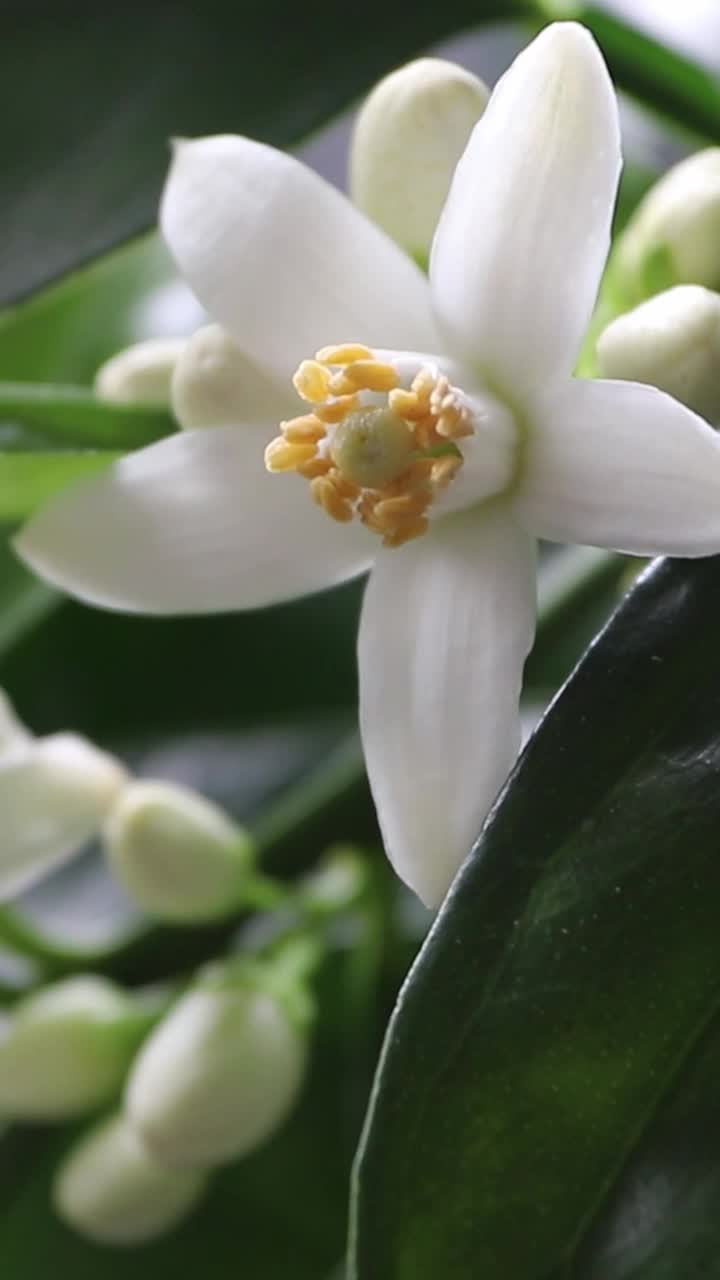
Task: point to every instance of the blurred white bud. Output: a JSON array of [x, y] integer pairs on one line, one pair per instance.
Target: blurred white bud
[[178, 856], [216, 385], [674, 235], [67, 1049], [55, 793], [140, 374], [13, 733], [408, 138], [218, 1076], [672, 341], [110, 1189]]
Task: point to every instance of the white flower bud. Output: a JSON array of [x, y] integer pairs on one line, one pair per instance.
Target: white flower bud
[[54, 795], [672, 341], [140, 374], [13, 733], [110, 1189], [216, 385], [178, 856], [674, 235], [67, 1049], [409, 136], [218, 1075]]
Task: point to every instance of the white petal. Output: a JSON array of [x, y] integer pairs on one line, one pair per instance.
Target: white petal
[[193, 524], [283, 260], [621, 465], [53, 797], [521, 244], [447, 622], [13, 734]]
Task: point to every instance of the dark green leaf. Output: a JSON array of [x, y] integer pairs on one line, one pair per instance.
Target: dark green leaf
[[73, 415], [547, 1051], [94, 94]]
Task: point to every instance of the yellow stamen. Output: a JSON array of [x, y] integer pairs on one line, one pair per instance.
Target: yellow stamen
[[281, 455], [312, 381], [344, 354], [305, 430], [326, 495], [336, 410], [371, 375], [361, 456]]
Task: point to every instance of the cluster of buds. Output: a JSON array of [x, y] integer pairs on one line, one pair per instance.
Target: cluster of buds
[[194, 1080], [664, 278]]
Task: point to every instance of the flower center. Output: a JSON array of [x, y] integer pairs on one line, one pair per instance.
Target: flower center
[[373, 449]]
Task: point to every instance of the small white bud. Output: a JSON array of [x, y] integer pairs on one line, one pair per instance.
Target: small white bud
[[218, 1075], [178, 856], [55, 792], [67, 1049], [408, 138], [13, 734], [109, 1189], [674, 235], [216, 385], [140, 374], [672, 341]]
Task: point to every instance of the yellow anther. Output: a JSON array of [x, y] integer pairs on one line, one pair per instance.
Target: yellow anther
[[371, 375], [317, 466], [407, 504], [406, 404], [312, 381], [452, 425], [443, 471], [281, 455], [345, 487], [346, 354], [303, 430], [326, 495], [336, 410], [404, 533]]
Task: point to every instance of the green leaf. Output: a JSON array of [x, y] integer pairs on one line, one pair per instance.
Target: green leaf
[[84, 162], [549, 1048], [29, 479], [74, 416], [24, 601]]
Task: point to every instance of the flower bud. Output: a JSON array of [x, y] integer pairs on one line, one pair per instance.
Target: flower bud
[[216, 385], [67, 1049], [674, 235], [409, 136], [219, 1074], [672, 341], [54, 795], [140, 374], [110, 1189], [13, 734], [178, 856]]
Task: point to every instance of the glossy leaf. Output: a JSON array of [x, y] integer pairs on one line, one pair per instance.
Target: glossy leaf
[[84, 161], [544, 1069], [69, 415]]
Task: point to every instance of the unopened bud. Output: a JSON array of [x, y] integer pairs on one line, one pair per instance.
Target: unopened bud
[[216, 385], [110, 1189], [67, 1049], [219, 1075], [409, 136], [672, 341], [13, 734], [55, 792], [674, 235], [140, 374], [178, 856]]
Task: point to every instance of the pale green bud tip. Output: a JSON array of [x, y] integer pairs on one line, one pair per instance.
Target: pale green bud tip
[[67, 1049], [674, 234], [178, 856], [672, 341], [140, 374], [218, 1076], [110, 1189], [216, 385], [408, 138]]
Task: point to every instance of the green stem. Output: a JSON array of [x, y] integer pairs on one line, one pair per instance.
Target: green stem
[[73, 416]]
